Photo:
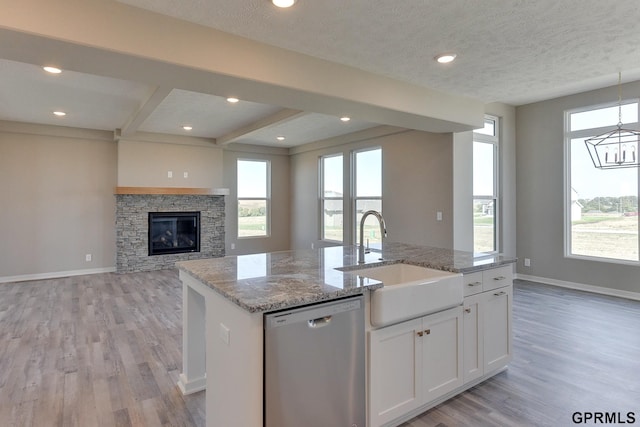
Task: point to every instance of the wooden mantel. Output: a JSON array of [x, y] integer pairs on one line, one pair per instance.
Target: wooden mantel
[[172, 191]]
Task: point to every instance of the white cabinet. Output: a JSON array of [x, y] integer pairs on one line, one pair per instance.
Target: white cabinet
[[473, 349], [395, 366], [487, 322], [441, 353], [497, 328], [413, 363]]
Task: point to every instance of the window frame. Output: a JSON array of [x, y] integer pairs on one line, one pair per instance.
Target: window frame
[[323, 198], [267, 198], [570, 135], [493, 140]]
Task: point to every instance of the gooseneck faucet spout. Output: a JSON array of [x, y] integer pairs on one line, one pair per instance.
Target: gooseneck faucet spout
[[383, 232]]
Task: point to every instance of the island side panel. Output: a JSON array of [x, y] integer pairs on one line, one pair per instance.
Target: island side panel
[[234, 364], [193, 377]]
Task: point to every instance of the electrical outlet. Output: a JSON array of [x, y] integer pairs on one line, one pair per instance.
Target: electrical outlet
[[186, 174], [233, 246], [169, 174], [527, 262], [313, 246], [439, 216], [88, 257]]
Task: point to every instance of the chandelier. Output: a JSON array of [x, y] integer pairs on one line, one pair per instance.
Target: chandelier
[[618, 148]]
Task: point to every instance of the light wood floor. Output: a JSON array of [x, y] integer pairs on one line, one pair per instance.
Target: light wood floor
[[105, 350]]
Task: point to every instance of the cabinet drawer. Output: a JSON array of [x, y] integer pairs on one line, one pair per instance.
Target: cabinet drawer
[[472, 283], [497, 277]]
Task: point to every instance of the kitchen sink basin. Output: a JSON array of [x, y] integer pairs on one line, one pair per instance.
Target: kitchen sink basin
[[410, 291]]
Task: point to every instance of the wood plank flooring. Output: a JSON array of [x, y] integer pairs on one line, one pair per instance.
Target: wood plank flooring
[[105, 350], [99, 350]]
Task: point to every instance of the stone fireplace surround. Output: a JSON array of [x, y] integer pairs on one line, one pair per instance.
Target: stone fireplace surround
[[132, 227]]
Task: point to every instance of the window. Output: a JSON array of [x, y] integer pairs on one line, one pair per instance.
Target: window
[[332, 197], [601, 206], [253, 198], [367, 192], [485, 187]]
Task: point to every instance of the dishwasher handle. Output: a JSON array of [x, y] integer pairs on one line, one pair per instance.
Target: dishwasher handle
[[319, 322]]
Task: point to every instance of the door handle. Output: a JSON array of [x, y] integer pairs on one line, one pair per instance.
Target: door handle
[[319, 322]]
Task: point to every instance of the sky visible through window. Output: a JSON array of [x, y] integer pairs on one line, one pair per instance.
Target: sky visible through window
[[252, 179]]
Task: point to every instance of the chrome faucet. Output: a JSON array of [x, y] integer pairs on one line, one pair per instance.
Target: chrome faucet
[[383, 232]]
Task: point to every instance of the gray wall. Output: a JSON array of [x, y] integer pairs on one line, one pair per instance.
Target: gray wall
[[540, 202], [56, 192], [417, 182], [280, 200]]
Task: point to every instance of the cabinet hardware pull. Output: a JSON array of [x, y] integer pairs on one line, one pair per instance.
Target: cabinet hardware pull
[[498, 294], [475, 284], [467, 310], [499, 278], [427, 331], [420, 333]]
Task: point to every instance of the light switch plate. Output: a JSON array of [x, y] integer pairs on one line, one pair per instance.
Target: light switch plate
[[225, 333]]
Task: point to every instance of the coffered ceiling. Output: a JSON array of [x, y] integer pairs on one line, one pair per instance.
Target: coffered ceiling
[[379, 52]]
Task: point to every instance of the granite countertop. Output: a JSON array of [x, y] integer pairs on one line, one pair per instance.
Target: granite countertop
[[279, 280]]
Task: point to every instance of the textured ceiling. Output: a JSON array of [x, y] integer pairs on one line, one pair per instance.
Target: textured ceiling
[[512, 51]]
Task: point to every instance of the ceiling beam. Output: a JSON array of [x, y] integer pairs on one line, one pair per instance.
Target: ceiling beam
[[145, 110], [278, 118]]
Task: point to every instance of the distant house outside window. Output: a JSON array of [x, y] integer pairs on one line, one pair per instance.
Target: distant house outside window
[[253, 198], [485, 187], [332, 197], [601, 206]]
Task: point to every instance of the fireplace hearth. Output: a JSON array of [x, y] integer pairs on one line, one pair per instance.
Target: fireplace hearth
[[174, 232]]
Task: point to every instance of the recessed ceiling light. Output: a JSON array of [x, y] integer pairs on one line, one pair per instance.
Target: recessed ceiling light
[[280, 138], [232, 100], [283, 3], [186, 127], [445, 58], [52, 70], [345, 118], [60, 113]]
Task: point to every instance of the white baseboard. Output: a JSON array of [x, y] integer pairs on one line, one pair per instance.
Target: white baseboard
[[55, 274], [581, 287], [192, 386]]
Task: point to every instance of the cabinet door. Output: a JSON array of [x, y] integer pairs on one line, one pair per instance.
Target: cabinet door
[[472, 348], [442, 353], [395, 367], [497, 328]]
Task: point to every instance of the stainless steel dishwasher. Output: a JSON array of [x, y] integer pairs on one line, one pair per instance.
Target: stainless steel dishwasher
[[314, 366]]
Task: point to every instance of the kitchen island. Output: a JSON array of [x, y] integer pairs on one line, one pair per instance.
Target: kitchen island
[[225, 300]]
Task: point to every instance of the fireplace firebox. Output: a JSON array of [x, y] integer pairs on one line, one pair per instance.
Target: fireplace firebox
[[174, 232]]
